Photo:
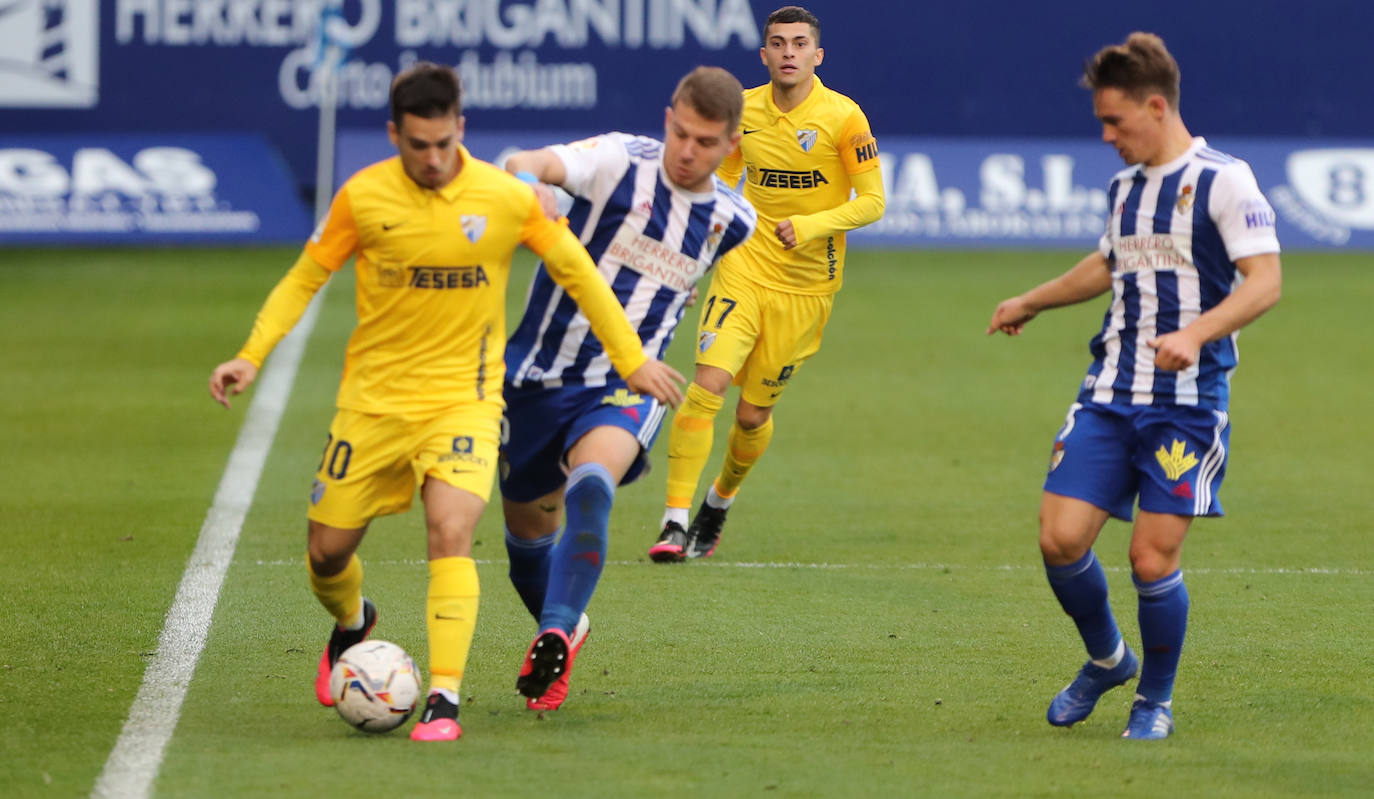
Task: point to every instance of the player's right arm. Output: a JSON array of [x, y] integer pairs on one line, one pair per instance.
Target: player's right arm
[[332, 244], [281, 311], [545, 169], [542, 164], [1089, 278]]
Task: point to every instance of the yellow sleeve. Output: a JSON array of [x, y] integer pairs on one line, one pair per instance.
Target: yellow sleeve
[[283, 308], [572, 268], [336, 236], [858, 148], [731, 168], [867, 206]]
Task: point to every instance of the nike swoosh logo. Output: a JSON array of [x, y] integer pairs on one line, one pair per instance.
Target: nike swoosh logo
[[385, 226], [746, 132], [448, 618], [463, 471]]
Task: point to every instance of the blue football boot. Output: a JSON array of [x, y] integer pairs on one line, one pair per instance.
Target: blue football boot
[[1076, 702], [1150, 721]]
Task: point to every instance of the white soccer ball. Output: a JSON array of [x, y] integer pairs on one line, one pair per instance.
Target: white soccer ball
[[375, 686]]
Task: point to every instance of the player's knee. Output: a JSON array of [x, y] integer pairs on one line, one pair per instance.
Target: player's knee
[[1149, 564], [324, 561], [752, 417], [449, 537], [1060, 547], [713, 379], [328, 550]]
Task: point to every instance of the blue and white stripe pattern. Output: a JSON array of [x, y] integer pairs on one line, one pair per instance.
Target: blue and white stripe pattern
[[1174, 236], [651, 241]]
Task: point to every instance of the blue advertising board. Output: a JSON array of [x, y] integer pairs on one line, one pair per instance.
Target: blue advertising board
[[146, 189], [1031, 193], [1052, 193], [995, 68]]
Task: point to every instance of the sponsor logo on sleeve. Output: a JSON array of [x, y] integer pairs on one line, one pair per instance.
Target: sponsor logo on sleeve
[[865, 147]]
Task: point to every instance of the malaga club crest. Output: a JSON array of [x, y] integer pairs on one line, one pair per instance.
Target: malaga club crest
[[807, 139], [474, 225]]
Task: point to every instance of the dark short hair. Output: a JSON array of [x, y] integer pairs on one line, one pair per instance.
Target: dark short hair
[[426, 90], [1140, 66], [714, 93], [788, 14]]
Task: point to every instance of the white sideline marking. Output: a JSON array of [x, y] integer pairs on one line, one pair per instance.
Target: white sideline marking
[[137, 755], [1006, 567]]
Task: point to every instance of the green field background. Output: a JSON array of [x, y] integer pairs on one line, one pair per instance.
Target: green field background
[[875, 622]]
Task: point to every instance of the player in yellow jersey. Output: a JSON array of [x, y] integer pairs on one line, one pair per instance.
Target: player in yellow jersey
[[803, 148], [420, 401]]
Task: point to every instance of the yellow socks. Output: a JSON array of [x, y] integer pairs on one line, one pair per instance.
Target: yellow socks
[[451, 616], [341, 594], [745, 448], [689, 444]]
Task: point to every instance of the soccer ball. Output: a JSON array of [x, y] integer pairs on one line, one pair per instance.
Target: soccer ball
[[375, 686]]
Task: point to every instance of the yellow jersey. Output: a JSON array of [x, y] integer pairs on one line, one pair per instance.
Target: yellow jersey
[[432, 270], [801, 164]]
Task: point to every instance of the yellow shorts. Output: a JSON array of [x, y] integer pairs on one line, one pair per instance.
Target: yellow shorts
[[373, 464], [760, 335]]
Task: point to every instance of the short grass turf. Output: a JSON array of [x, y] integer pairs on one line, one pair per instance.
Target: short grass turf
[[875, 620]]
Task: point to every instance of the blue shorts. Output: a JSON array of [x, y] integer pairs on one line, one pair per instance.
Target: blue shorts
[[542, 424], [1173, 458]]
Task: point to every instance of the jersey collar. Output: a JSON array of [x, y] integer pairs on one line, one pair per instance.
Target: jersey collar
[[454, 187], [775, 114], [1177, 163], [693, 197]]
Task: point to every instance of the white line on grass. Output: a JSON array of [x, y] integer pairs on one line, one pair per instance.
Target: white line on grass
[[137, 755], [1006, 567]]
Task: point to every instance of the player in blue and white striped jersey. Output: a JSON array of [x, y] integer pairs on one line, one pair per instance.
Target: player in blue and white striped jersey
[[1190, 256], [655, 218]]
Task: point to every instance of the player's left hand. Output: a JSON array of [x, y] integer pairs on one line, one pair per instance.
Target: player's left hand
[[658, 380], [786, 234], [1175, 351], [691, 298]]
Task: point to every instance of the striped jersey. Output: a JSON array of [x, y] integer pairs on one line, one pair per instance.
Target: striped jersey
[[1172, 242], [651, 240]]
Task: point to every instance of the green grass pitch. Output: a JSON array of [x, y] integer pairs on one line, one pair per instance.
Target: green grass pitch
[[875, 623]]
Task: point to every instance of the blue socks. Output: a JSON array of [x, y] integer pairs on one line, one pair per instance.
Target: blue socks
[[1163, 623], [1081, 588], [529, 568], [578, 558]]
